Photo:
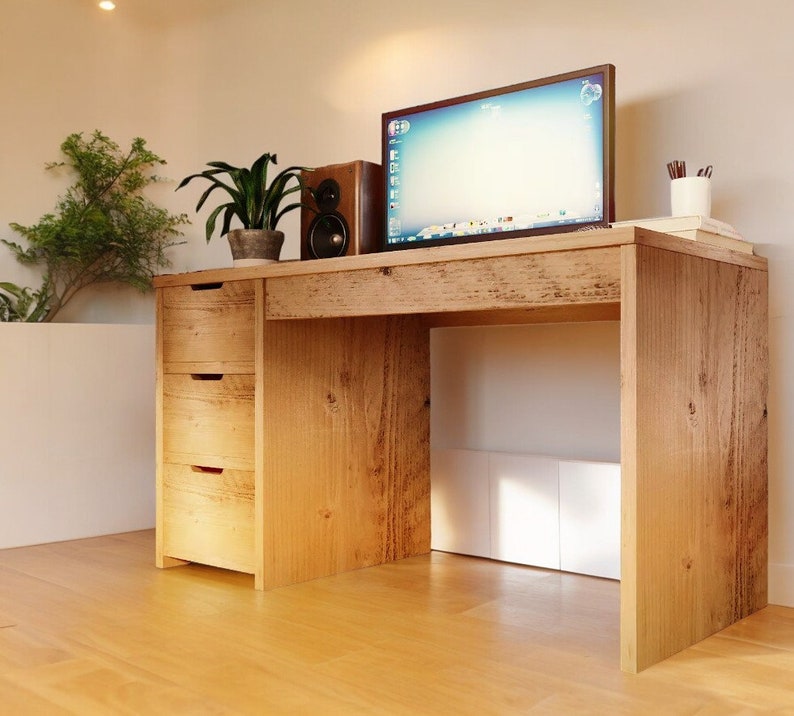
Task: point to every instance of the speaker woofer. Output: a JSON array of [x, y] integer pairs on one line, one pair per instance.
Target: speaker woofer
[[328, 236]]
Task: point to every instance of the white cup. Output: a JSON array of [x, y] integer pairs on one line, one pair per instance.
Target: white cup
[[690, 196]]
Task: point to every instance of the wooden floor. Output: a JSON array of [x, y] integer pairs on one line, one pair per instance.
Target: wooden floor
[[92, 627]]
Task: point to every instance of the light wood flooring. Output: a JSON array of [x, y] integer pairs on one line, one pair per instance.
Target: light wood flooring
[[92, 627]]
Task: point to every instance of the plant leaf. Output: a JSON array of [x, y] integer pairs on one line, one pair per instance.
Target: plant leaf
[[209, 227], [227, 220]]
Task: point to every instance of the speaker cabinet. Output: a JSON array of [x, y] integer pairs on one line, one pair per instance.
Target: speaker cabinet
[[348, 210]]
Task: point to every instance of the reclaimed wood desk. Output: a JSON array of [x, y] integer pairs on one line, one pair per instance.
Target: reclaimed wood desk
[[293, 412]]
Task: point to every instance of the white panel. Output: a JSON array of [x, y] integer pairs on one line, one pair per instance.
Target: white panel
[[590, 518], [459, 502], [524, 510], [24, 390], [77, 454]]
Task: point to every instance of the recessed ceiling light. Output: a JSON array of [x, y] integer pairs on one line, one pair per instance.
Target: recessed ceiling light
[[107, 5]]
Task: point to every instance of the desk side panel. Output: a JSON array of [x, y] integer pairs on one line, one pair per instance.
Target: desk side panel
[[346, 415], [694, 444]]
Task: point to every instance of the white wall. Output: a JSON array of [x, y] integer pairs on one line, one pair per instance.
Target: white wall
[[562, 396], [77, 436], [210, 79]]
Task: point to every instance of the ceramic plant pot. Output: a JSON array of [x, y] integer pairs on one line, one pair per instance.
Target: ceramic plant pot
[[253, 247]]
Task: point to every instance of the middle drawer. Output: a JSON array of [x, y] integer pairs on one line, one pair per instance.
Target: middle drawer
[[208, 420]]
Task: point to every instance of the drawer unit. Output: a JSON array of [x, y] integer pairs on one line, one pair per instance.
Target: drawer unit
[[208, 420], [210, 323], [209, 516], [206, 388]]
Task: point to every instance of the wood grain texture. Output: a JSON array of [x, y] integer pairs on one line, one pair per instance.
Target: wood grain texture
[[211, 367], [259, 438], [410, 257], [90, 627], [346, 445], [208, 516], [159, 558], [630, 574], [574, 241], [335, 420], [571, 313], [209, 423], [690, 247], [694, 450], [213, 325], [588, 276]]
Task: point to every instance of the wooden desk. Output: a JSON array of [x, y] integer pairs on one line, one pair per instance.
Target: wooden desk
[[293, 412]]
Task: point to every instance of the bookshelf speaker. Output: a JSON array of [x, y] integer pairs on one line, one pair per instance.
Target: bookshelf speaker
[[346, 214]]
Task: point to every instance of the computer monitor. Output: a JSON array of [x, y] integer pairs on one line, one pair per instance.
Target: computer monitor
[[532, 158]]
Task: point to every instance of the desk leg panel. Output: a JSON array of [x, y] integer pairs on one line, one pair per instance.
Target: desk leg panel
[[694, 450], [346, 420]]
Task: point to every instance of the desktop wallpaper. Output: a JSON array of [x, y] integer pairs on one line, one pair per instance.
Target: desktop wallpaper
[[520, 160]]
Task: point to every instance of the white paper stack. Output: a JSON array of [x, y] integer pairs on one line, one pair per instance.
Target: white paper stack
[[697, 228]]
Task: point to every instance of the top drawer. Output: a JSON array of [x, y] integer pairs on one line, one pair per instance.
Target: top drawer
[[209, 324]]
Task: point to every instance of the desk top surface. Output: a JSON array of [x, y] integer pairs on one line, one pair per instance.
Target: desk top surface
[[577, 241]]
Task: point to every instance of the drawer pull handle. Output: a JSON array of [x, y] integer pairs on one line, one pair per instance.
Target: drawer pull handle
[[206, 376], [206, 286], [207, 470]]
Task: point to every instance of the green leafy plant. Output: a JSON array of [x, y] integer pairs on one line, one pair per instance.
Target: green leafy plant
[[19, 304], [102, 230], [254, 202]]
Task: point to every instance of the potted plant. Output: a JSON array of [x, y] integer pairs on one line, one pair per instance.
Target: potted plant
[[255, 203]]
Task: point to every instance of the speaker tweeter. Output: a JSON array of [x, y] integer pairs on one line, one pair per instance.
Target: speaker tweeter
[[327, 195]]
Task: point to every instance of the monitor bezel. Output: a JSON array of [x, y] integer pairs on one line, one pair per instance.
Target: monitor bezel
[[608, 117]]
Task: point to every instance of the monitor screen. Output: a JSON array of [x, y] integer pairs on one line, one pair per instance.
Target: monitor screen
[[533, 158]]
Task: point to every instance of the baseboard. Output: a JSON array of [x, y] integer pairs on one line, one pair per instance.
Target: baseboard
[[781, 584]]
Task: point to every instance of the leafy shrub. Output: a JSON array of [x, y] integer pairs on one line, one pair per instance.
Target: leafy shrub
[[102, 230]]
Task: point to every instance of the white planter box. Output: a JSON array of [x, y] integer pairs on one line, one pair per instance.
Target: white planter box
[[459, 496], [524, 508], [528, 509], [77, 432]]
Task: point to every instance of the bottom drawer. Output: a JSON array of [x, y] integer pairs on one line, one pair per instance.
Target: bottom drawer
[[208, 516]]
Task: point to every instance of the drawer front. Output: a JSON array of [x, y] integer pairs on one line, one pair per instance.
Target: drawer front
[[208, 516], [208, 420], [209, 323]]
